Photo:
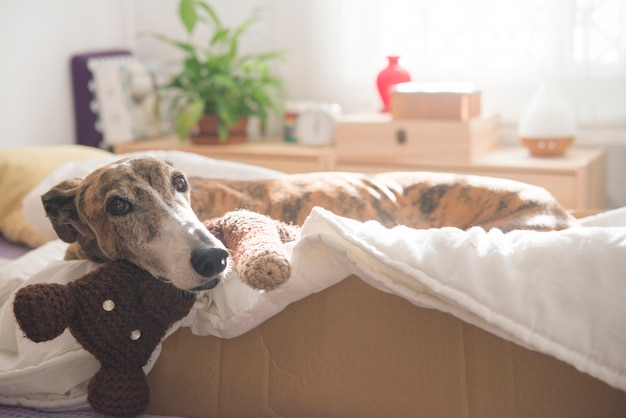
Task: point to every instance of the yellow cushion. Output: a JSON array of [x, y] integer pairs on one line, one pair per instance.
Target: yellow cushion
[[21, 169]]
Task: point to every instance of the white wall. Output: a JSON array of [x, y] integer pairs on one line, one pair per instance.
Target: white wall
[[37, 39]]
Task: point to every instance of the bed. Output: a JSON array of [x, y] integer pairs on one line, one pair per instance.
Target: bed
[[373, 322]]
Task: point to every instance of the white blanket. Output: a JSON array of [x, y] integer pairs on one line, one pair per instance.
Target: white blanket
[[560, 293]]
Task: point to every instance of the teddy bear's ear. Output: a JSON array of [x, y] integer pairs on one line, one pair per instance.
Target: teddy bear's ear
[[43, 311]]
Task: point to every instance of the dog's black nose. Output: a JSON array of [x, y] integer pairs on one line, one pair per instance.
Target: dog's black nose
[[209, 261]]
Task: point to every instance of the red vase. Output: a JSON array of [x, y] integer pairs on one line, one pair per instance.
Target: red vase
[[388, 77]]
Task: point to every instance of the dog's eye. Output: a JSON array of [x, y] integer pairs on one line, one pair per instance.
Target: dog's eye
[[118, 207], [180, 183]]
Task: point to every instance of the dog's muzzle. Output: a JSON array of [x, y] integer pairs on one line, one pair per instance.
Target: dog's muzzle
[[209, 262]]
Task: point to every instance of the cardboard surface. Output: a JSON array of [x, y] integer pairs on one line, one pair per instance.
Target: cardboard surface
[[353, 351]]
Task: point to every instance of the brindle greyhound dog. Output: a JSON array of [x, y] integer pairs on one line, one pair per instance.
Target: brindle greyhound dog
[[141, 210]]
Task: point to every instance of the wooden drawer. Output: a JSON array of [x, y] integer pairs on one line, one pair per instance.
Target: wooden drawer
[[363, 137], [576, 180]]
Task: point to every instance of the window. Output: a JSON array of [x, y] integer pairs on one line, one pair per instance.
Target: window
[[582, 40], [507, 47]]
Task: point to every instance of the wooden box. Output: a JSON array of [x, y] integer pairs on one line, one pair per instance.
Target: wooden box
[[377, 138], [412, 101]]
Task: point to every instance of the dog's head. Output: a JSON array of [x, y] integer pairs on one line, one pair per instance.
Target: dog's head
[[138, 209]]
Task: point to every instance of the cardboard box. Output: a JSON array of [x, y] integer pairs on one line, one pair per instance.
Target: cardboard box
[[353, 351], [435, 101], [376, 138]]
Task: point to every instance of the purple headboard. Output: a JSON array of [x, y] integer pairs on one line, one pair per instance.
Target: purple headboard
[[85, 117]]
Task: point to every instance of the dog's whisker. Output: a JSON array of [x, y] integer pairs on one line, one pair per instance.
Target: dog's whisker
[[163, 279], [186, 294]]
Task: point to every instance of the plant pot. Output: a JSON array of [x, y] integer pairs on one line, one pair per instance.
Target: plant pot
[[208, 132]]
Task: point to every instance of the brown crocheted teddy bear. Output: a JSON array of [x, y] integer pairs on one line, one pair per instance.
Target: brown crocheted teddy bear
[[120, 313]]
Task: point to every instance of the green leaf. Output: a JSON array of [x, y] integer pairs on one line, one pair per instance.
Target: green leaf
[[252, 19], [222, 130], [189, 118], [185, 46], [188, 14], [239, 31], [211, 12], [270, 56], [220, 35]]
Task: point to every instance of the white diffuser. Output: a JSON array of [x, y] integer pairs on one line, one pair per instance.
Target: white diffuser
[[547, 126]]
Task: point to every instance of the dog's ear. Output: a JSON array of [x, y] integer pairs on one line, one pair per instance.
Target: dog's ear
[[58, 203]]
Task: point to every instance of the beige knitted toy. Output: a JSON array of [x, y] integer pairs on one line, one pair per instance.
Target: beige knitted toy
[[255, 242]]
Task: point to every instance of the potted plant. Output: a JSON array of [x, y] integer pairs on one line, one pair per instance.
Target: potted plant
[[215, 82]]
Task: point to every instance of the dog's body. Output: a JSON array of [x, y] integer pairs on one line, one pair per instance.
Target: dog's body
[[139, 210], [414, 199]]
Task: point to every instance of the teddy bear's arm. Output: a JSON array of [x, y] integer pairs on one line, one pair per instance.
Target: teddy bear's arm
[[43, 310]]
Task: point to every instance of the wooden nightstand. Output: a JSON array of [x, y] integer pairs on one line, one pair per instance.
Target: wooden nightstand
[[577, 179], [277, 155]]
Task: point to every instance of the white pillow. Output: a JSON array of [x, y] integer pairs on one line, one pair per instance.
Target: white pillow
[[190, 163]]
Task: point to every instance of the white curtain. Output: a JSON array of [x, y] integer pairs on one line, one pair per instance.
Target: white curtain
[[337, 47]]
